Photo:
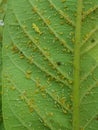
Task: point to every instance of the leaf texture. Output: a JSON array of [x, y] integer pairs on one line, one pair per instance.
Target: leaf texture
[[50, 65], [2, 13]]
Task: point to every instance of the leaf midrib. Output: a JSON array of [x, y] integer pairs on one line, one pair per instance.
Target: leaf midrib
[[76, 63]]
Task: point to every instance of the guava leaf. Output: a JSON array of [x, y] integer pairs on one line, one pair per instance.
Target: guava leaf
[[3, 4], [1, 119], [50, 65]]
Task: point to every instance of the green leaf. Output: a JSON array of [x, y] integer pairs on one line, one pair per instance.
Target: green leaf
[[50, 65], [1, 120], [2, 13], [3, 4]]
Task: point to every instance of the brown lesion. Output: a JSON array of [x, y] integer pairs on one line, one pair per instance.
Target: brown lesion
[[96, 117]]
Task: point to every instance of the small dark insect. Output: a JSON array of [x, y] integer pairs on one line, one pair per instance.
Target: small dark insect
[[93, 40], [58, 63]]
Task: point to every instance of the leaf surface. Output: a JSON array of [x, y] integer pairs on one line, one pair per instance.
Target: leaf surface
[[2, 13], [50, 65]]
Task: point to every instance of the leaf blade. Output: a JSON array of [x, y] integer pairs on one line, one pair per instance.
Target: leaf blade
[[34, 57]]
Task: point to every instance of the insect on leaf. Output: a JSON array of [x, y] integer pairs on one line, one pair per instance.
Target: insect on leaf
[[50, 65]]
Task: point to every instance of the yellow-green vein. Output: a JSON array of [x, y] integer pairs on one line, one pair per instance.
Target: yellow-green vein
[[76, 63]]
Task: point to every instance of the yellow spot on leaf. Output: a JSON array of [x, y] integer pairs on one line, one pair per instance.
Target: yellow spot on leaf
[[34, 9], [37, 82], [36, 91], [30, 105], [31, 109], [62, 100], [63, 1], [15, 49], [21, 56], [81, 128], [68, 107], [30, 60], [73, 40], [48, 21], [44, 95], [70, 81], [25, 27], [64, 111], [42, 89], [23, 95], [28, 75], [12, 88], [36, 28], [49, 113], [29, 71]]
